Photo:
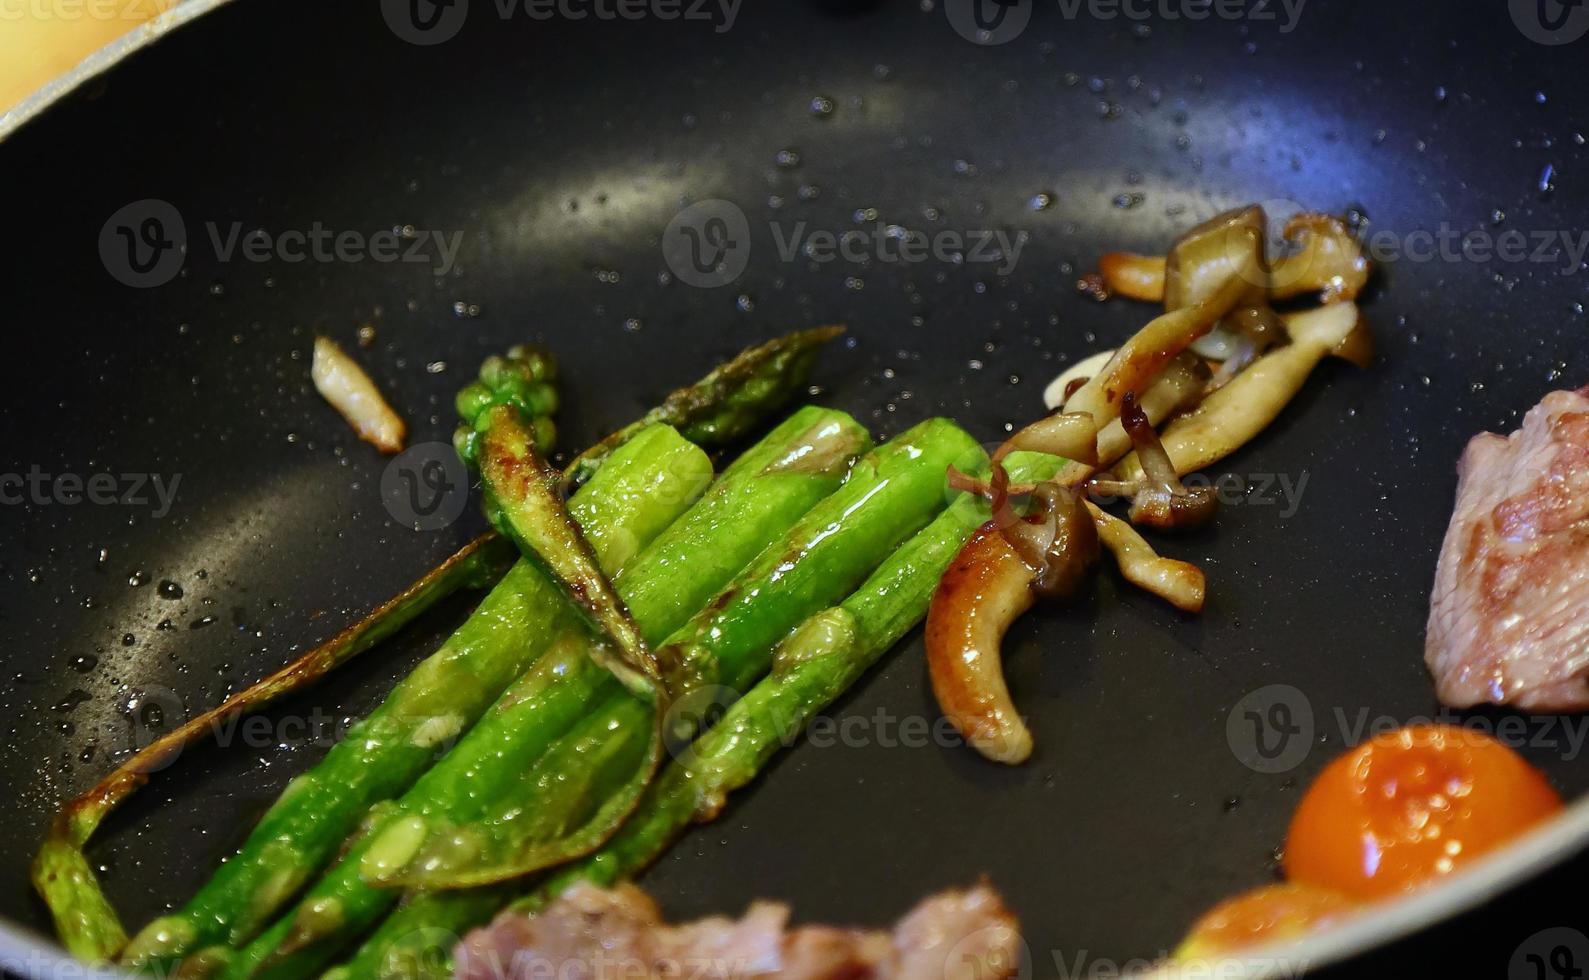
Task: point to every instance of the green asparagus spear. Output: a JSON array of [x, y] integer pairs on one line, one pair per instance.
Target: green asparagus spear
[[523, 495], [760, 496], [88, 925], [813, 667], [84, 918], [386, 752], [728, 403], [889, 496], [521, 381]]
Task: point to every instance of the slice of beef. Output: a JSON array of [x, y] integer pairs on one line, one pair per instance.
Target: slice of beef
[[595, 934], [1509, 618]]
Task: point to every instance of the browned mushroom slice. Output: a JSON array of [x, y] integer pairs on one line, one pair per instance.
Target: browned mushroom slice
[[1133, 276], [1141, 358], [1177, 389], [1158, 498], [1179, 583], [995, 578], [1253, 329], [1328, 261], [1233, 415], [1201, 262]]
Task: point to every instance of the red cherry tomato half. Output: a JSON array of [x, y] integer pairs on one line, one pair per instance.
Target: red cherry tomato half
[[1273, 913], [1411, 806]]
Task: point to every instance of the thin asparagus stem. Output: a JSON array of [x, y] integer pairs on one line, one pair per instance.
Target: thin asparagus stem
[[747, 389], [84, 918], [387, 751]]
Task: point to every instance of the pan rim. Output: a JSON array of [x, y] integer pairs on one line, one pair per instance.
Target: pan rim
[[1398, 918], [102, 60], [26, 953]]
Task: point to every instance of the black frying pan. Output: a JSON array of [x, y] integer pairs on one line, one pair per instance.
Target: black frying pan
[[562, 150]]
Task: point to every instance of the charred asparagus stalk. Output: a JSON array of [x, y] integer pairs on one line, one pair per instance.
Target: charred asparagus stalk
[[762, 494], [724, 404], [444, 696], [821, 660]]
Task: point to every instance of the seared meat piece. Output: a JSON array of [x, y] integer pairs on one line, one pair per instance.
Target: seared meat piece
[[1509, 619], [593, 934]]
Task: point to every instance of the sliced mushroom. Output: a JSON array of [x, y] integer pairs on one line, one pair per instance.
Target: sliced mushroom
[[1328, 261], [1230, 417], [1068, 436], [1061, 388], [1145, 355], [1255, 329], [340, 381], [995, 578], [1176, 389], [1179, 583], [1205, 258], [1133, 276], [1158, 498]]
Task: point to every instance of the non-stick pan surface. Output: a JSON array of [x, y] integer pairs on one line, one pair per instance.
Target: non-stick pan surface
[[561, 150]]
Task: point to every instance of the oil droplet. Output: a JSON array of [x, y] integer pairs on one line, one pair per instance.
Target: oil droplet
[[85, 663], [1041, 201], [169, 589], [744, 302], [138, 578]]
